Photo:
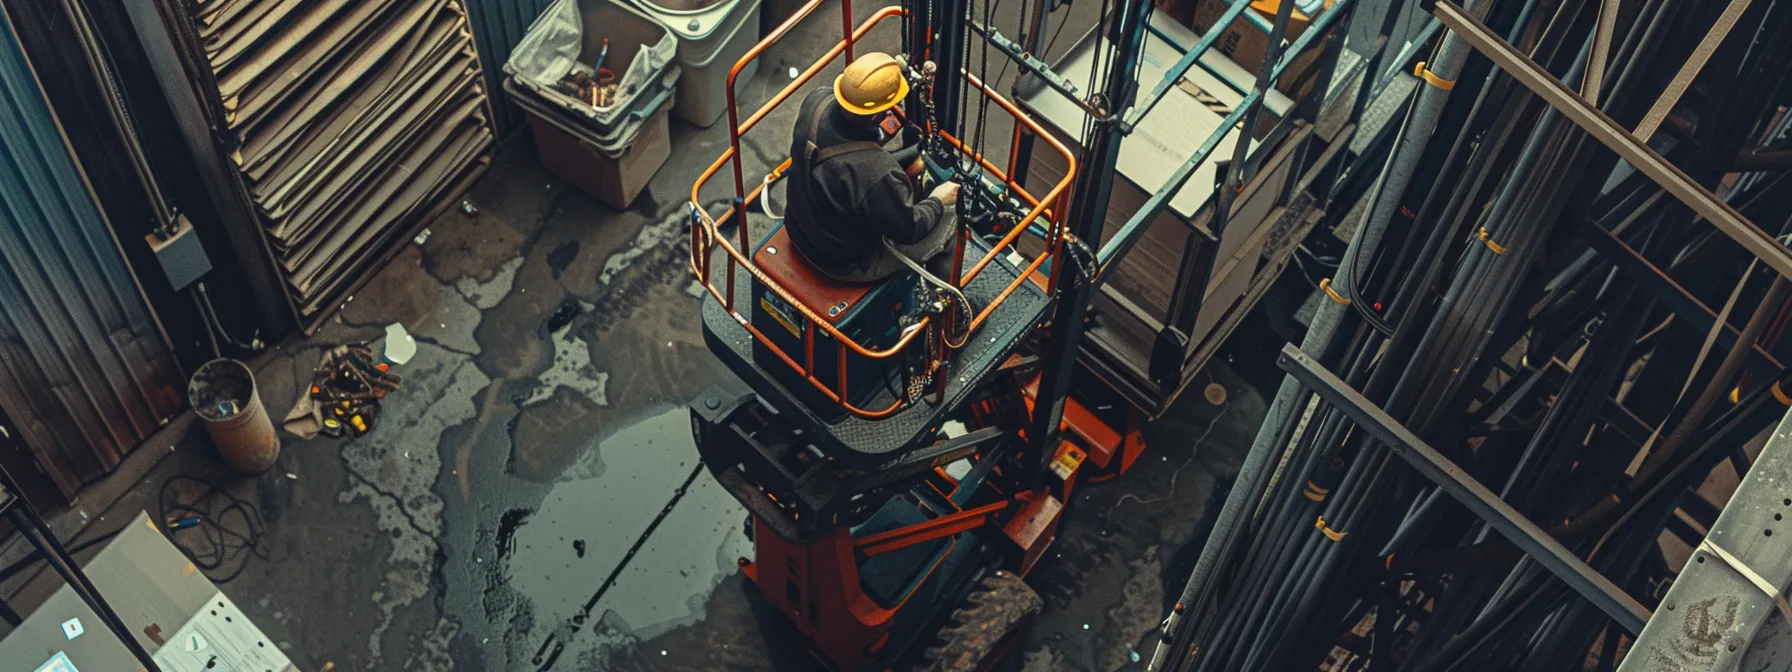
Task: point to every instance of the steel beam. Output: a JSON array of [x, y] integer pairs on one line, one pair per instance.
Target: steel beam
[[1542, 548], [1088, 212], [1613, 136], [1683, 304], [1181, 68], [1716, 608]]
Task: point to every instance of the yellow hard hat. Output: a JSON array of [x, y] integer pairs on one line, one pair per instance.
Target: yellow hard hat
[[871, 84]]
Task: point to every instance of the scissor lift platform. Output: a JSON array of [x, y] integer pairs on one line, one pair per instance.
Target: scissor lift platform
[[868, 442]]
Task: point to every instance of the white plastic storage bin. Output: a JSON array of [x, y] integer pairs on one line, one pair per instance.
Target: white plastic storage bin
[[614, 166], [712, 36], [570, 35], [611, 151]]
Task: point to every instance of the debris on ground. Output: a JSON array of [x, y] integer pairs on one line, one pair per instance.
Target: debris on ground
[[345, 392], [564, 315], [400, 346]]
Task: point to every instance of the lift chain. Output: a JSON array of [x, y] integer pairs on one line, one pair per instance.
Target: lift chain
[[1080, 259]]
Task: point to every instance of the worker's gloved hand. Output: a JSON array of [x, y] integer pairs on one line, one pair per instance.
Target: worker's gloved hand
[[947, 192]]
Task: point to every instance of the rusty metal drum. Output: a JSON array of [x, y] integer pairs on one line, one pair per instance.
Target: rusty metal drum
[[224, 396]]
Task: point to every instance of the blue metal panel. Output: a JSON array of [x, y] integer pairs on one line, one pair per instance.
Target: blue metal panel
[[497, 26], [85, 370]]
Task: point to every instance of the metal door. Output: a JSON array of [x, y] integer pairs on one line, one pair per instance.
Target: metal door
[[497, 26], [85, 369]]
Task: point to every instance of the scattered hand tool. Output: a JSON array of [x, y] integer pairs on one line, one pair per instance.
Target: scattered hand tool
[[349, 385]]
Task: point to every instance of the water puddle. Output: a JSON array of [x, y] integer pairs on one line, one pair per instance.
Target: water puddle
[[572, 368], [639, 547], [487, 295]]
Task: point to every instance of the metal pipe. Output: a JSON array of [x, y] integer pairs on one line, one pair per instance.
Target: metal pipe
[[1465, 25], [1408, 151], [1088, 213], [1129, 233], [1536, 543], [1720, 382]]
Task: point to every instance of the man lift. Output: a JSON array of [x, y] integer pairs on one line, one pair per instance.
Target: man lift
[[906, 454]]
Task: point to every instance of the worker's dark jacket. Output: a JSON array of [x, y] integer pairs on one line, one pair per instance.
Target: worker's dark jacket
[[846, 192]]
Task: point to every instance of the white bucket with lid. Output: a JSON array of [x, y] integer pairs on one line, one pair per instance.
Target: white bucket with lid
[[712, 36]]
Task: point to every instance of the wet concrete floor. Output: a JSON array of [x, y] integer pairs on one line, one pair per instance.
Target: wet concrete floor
[[532, 494]]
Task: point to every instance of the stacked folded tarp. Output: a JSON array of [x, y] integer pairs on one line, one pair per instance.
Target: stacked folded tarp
[[350, 122]]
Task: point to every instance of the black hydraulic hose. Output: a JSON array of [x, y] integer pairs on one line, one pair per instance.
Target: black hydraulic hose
[[1494, 616], [1351, 523], [1409, 289], [1197, 581], [1719, 385], [1734, 426], [1278, 599], [1472, 379], [1273, 518], [1442, 332], [1332, 431], [1569, 635], [1459, 336], [1275, 494], [1281, 520], [1280, 553], [1580, 403], [1313, 547]]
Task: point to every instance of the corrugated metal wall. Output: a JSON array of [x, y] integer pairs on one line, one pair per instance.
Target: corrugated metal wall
[[497, 26], [84, 369]]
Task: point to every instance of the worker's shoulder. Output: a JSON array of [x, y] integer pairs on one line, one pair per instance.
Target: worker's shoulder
[[816, 96], [867, 161]]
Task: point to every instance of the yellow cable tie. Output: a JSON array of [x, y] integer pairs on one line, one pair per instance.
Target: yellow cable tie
[[1432, 78], [1314, 492], [1488, 239], [1735, 394], [1326, 284], [1390, 561], [1330, 533], [1780, 394]]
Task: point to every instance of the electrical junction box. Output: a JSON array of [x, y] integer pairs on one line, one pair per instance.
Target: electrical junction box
[[181, 256]]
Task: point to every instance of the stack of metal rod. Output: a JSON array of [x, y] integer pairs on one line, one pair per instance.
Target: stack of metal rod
[[1564, 308]]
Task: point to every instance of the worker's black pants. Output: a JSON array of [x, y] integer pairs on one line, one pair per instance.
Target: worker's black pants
[[931, 252]]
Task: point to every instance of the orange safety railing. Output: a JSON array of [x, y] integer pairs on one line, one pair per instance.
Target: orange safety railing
[[705, 234]]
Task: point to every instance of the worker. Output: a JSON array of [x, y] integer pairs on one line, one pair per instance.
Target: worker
[[848, 194]]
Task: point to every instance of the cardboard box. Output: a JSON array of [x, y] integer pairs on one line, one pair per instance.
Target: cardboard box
[[1183, 11], [1246, 43]]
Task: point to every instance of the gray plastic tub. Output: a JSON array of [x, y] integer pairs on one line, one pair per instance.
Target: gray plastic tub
[[614, 165], [570, 34]]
